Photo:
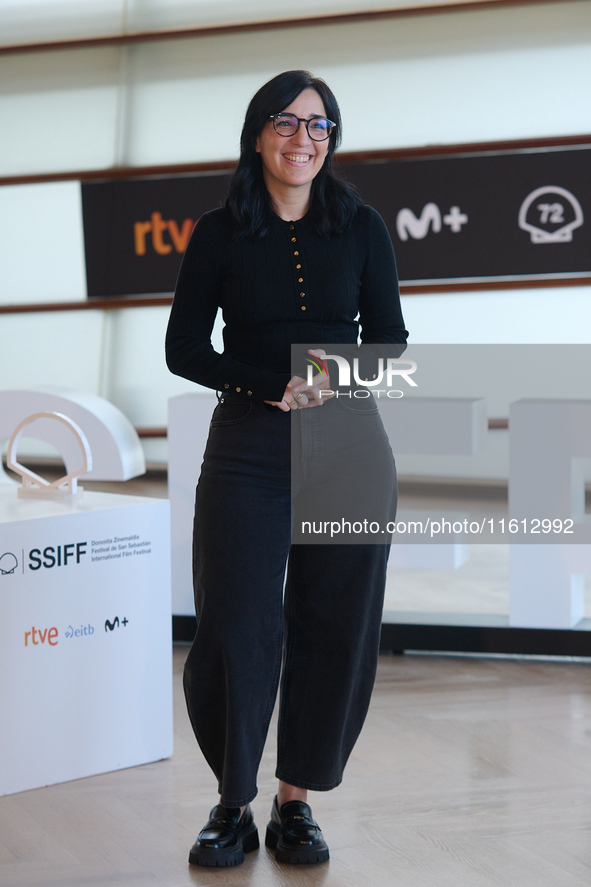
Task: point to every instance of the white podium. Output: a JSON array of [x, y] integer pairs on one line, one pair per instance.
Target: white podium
[[85, 637], [189, 416]]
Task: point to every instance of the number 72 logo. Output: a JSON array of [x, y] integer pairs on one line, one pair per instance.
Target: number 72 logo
[[551, 212]]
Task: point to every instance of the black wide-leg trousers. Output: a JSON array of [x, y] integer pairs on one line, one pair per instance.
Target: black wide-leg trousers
[[322, 621]]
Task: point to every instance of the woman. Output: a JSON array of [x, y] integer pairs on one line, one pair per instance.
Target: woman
[[293, 256]]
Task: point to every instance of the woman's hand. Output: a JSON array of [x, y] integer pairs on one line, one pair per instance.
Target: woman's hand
[[298, 394], [288, 401], [312, 394]]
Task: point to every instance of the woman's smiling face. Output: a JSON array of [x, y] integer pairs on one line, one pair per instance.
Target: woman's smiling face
[[295, 161]]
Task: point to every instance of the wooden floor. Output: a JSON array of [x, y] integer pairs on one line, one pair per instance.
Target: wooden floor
[[469, 773]]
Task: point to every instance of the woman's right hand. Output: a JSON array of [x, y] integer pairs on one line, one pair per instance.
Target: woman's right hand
[[299, 394], [288, 401]]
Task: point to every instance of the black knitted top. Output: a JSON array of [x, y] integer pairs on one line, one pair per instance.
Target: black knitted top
[[292, 286]]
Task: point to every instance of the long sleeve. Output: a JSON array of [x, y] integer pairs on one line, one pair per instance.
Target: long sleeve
[[380, 314], [189, 352]]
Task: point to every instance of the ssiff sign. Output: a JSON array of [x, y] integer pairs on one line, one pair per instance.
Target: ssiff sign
[[84, 636]]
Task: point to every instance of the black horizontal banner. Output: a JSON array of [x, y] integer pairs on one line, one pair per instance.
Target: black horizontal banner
[[136, 231], [509, 215]]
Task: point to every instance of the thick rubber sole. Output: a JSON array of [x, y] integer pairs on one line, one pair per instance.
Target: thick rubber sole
[[229, 855], [293, 855]]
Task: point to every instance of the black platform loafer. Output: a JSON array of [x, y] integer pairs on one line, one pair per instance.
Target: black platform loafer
[[294, 835], [225, 838]]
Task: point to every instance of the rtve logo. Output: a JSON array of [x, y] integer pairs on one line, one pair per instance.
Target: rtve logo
[[39, 636], [60, 556], [158, 228]]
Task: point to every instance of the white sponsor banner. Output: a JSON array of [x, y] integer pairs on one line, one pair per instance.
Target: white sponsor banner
[[85, 637]]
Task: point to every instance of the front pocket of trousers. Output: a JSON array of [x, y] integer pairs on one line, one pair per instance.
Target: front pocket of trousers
[[231, 413], [359, 406]]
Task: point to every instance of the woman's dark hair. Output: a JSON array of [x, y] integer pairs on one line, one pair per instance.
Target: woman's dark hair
[[332, 200]]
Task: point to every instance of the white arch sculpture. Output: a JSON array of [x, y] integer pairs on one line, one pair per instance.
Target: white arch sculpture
[[33, 482], [116, 449]]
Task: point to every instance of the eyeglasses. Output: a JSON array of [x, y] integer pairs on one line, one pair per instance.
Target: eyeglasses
[[319, 128]]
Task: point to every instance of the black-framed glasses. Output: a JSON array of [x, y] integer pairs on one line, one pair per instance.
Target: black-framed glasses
[[319, 128]]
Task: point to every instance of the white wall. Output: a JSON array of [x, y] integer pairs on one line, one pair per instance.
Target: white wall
[[450, 77], [27, 21], [446, 78], [41, 243]]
